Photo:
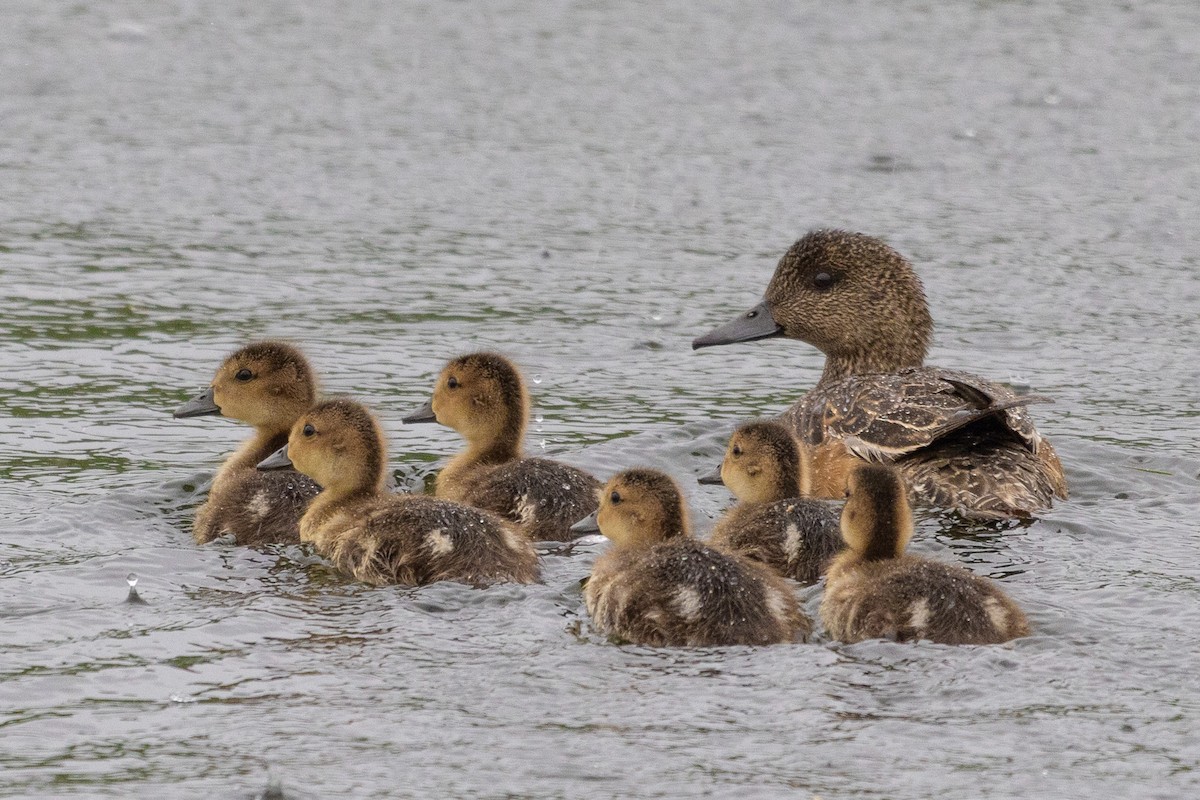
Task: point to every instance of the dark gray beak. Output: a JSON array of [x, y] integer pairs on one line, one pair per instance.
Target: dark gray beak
[[587, 525], [277, 460], [422, 414], [712, 479], [757, 323], [201, 406]]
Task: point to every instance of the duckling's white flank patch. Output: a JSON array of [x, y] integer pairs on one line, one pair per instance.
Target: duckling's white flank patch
[[512, 539], [260, 504], [918, 614], [996, 613], [791, 543], [525, 510], [777, 604], [439, 543], [688, 603]]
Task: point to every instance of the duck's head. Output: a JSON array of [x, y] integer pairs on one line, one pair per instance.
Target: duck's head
[[763, 463], [337, 443], [877, 522], [266, 384], [847, 294], [638, 507], [480, 395]]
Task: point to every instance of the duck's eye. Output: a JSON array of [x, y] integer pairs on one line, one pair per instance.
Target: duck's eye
[[243, 375], [737, 450], [615, 497], [452, 382], [822, 280], [309, 430], [846, 494]]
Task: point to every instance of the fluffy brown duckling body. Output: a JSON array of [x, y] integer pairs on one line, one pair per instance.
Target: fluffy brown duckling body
[[483, 397], [960, 441], [658, 586], [382, 538], [774, 523], [874, 590], [267, 385]]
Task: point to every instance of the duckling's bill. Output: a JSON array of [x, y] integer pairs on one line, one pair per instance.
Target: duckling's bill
[[711, 479], [587, 525], [202, 405], [757, 323], [277, 460], [422, 414]]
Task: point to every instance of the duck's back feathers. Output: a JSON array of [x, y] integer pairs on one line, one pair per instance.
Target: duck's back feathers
[[797, 538], [256, 508], [543, 498], [910, 598], [683, 593]]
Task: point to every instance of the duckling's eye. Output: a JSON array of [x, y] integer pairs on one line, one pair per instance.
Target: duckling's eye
[[243, 375], [615, 497], [846, 494], [452, 382], [822, 280], [737, 450], [309, 430]]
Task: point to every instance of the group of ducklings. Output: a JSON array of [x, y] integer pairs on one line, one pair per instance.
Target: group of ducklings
[[879, 429]]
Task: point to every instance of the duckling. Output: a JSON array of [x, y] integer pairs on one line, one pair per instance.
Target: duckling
[[384, 538], [658, 586], [774, 524], [960, 441], [483, 397], [268, 385], [874, 590]]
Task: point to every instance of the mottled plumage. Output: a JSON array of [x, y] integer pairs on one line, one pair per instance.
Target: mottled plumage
[[960, 441], [483, 397], [268, 385], [380, 538], [658, 586], [873, 590]]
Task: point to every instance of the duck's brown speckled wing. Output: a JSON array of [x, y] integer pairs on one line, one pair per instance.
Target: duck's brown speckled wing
[[258, 508], [543, 498]]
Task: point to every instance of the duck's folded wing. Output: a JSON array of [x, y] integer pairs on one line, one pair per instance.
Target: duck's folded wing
[[883, 417]]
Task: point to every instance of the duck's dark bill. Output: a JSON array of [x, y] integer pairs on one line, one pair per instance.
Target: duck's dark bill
[[711, 479], [422, 414], [757, 323], [587, 525], [201, 406], [277, 460]]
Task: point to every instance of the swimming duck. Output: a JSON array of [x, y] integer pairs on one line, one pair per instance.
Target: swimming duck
[[384, 538], [959, 440], [774, 524], [874, 590], [659, 586], [483, 397], [268, 385]]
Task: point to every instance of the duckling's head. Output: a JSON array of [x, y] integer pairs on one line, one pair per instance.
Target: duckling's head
[[640, 507], [339, 444], [877, 521], [482, 396], [763, 463], [267, 384], [848, 294]]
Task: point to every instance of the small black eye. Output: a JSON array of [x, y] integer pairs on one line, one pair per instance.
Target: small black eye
[[615, 497], [309, 430], [243, 375], [846, 494], [822, 280], [452, 382], [737, 450]]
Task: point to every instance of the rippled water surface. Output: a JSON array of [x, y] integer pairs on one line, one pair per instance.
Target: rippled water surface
[[586, 187]]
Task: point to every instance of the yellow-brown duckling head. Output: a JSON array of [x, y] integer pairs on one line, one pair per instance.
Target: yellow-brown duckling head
[[764, 463], [483, 397], [638, 508], [337, 443], [267, 384], [848, 294], [877, 522]]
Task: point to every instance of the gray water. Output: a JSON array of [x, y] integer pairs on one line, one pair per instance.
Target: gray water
[[586, 187]]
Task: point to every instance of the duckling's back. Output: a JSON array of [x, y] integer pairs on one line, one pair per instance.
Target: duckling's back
[[543, 498], [256, 508], [682, 593], [796, 538]]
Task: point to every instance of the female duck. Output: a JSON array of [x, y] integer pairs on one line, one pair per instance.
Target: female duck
[[483, 397], [380, 538], [874, 590], [774, 524], [960, 441], [267, 385], [659, 586]]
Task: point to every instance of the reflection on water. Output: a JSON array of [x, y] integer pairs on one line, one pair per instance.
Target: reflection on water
[[389, 185]]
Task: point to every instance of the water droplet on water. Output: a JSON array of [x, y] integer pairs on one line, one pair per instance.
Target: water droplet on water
[[537, 379], [542, 444], [182, 698], [133, 598], [132, 580], [539, 419]]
